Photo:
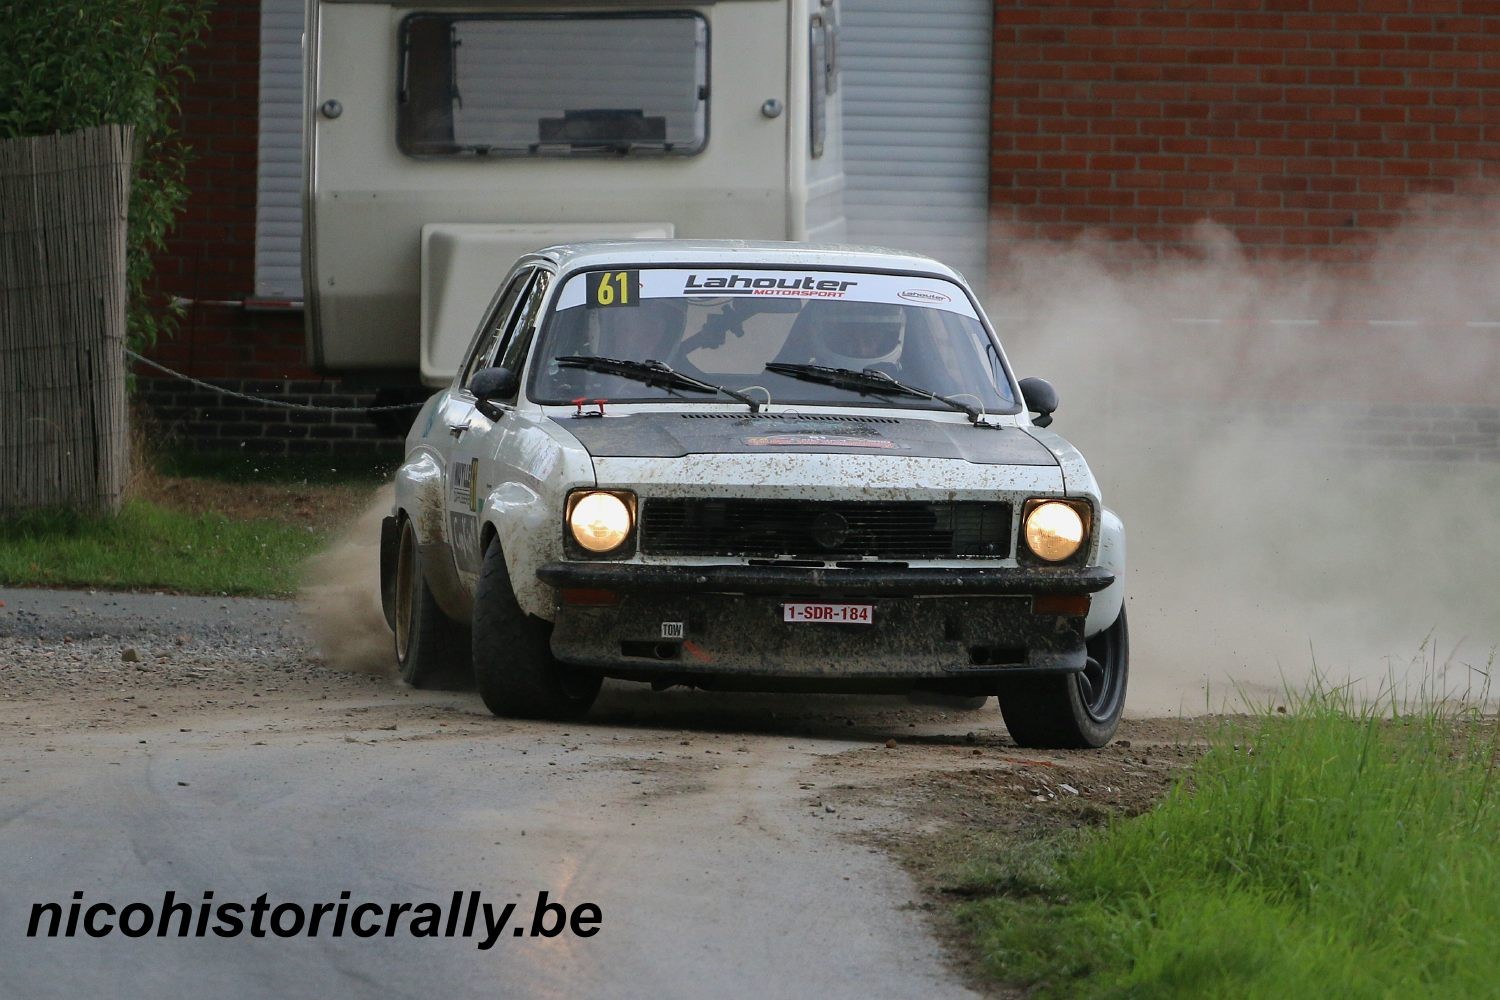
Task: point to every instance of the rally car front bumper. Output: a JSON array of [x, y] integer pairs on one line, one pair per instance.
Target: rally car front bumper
[[969, 624]]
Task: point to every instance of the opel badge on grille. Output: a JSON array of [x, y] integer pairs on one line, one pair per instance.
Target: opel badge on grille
[[830, 530]]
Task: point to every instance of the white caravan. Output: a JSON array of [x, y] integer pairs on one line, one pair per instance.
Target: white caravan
[[444, 141]]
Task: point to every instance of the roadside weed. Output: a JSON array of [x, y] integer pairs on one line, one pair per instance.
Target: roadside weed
[[1343, 848]]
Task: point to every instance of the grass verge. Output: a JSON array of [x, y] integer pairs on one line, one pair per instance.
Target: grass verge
[[150, 546], [1340, 850], [197, 524]]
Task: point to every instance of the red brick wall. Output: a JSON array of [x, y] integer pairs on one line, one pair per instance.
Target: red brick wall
[[210, 259], [1304, 127]]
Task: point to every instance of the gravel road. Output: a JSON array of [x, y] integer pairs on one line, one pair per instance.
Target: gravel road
[[731, 842]]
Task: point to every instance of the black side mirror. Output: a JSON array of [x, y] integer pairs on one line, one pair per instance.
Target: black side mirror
[[1040, 398], [493, 383]]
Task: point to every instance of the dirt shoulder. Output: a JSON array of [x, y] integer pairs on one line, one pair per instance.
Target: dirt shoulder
[[320, 507], [948, 799]]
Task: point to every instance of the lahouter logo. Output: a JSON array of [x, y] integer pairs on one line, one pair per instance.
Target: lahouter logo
[[806, 286], [923, 295]]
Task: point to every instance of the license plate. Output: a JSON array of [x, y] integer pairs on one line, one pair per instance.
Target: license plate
[[839, 614]]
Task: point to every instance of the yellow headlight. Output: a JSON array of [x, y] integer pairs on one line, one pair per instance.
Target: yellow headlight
[[1054, 531], [599, 522]]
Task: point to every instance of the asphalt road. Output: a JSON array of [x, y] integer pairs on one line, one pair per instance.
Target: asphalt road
[[725, 857]]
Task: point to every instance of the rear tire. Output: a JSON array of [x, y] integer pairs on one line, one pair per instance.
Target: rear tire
[[517, 674], [432, 650], [1072, 711]]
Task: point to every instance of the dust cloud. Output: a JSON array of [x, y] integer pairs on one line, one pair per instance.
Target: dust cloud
[[1305, 457], [340, 598]]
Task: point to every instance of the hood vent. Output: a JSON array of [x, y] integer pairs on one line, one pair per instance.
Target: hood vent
[[831, 418]]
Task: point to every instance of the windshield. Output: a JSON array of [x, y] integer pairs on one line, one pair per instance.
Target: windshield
[[553, 85], [725, 325]]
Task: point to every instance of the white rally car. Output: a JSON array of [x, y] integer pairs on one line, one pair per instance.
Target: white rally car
[[752, 466]]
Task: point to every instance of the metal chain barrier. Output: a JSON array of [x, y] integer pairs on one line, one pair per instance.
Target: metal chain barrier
[[262, 401]]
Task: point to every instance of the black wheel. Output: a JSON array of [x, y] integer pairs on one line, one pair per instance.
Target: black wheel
[[432, 650], [513, 662], [1072, 711]]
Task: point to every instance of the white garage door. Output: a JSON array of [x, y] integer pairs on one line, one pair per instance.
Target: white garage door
[[278, 205], [916, 82]]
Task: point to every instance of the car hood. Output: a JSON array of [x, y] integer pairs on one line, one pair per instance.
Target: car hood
[[678, 434]]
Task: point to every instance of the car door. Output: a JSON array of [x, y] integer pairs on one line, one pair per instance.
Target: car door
[[469, 432], [476, 459]]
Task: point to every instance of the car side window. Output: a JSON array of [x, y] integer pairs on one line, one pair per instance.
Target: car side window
[[523, 331], [496, 324]]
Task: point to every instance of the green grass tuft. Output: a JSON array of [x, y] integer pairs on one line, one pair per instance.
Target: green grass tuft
[[1340, 850], [149, 547]]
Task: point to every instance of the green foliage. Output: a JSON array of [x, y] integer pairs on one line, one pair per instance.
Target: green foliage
[[73, 64], [1346, 850], [151, 547]]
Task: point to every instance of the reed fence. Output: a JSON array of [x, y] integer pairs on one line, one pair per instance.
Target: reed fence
[[63, 419]]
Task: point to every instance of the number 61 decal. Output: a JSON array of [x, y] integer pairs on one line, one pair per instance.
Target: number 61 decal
[[613, 288]]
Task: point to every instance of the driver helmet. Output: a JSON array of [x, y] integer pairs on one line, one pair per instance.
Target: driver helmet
[[649, 331], [857, 335]]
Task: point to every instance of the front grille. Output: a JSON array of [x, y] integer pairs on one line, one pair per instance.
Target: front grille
[[826, 529]]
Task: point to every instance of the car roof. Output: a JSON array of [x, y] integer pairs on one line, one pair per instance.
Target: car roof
[[740, 253]]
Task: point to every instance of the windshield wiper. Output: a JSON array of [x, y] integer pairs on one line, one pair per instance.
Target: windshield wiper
[[876, 383], [653, 373]]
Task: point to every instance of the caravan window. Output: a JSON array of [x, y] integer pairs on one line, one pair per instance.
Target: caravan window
[[553, 85]]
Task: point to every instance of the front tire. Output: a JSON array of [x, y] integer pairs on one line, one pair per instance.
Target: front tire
[[1072, 711], [517, 674], [432, 650]]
